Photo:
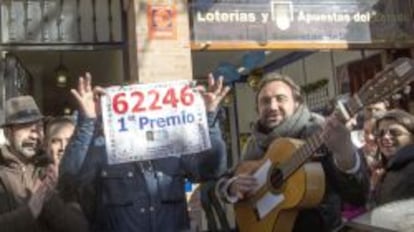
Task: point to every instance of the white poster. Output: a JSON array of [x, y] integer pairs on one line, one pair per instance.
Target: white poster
[[153, 121]]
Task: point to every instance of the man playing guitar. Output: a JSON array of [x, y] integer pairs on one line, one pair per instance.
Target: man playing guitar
[[283, 113]]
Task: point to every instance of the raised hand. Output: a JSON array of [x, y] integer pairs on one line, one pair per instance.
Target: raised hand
[[87, 98], [338, 140], [214, 94]]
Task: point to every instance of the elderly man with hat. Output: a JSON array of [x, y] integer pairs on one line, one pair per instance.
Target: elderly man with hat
[[28, 200]]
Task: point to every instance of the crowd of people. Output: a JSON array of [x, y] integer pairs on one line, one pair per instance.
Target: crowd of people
[[54, 174]]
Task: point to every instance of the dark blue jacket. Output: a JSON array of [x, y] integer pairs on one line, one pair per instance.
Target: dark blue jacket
[[138, 196]]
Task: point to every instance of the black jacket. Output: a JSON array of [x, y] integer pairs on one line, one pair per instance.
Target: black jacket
[[398, 181], [340, 187]]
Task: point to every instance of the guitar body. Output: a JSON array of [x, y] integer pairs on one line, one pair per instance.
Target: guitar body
[[303, 189]]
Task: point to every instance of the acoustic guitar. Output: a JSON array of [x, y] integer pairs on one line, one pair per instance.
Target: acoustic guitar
[[288, 182]]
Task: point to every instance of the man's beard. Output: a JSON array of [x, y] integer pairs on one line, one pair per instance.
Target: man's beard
[[266, 127], [27, 150]]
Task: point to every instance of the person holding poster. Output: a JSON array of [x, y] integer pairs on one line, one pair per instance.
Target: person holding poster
[[146, 195]]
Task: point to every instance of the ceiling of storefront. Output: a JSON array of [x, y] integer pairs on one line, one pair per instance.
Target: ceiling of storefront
[[205, 62]]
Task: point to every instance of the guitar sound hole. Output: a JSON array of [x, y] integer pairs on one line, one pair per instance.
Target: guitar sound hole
[[276, 178]]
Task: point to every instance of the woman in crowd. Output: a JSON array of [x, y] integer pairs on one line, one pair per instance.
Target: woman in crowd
[[394, 133], [369, 153]]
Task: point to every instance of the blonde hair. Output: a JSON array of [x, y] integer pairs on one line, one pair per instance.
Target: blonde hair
[[56, 121]]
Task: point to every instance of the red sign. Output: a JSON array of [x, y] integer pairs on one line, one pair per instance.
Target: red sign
[[162, 21], [151, 100]]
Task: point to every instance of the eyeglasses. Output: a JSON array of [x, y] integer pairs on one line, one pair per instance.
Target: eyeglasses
[[392, 132]]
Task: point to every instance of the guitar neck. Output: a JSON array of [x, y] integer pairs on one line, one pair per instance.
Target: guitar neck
[[301, 155], [312, 143]]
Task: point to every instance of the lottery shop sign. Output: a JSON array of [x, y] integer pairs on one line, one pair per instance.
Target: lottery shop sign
[[153, 121], [303, 21]]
